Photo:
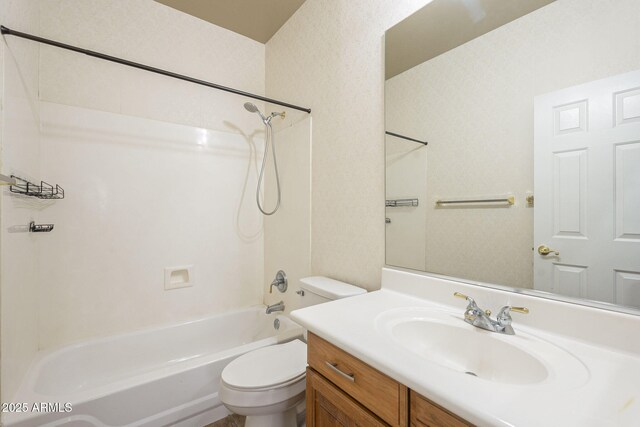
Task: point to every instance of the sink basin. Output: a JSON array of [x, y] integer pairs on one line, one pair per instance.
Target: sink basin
[[470, 351], [445, 339]]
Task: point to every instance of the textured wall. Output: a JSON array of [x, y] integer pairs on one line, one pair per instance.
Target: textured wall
[[20, 155], [475, 106], [329, 56], [150, 33]]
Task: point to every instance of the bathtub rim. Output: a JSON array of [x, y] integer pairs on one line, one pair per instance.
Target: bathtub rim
[[151, 328]]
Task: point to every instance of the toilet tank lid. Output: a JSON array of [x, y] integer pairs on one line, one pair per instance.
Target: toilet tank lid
[[329, 288]]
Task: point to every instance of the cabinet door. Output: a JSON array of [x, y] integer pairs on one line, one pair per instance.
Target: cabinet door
[[328, 406], [425, 413]]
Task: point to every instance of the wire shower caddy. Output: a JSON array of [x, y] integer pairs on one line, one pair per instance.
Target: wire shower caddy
[[42, 191]]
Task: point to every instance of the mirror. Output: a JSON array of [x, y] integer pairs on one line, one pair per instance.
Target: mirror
[[513, 146]]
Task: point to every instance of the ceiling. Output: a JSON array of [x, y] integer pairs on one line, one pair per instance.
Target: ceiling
[[256, 19], [443, 25]]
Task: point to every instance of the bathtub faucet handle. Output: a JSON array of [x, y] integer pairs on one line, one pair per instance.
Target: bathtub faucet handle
[[279, 282]]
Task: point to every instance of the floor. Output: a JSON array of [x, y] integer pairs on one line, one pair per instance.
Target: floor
[[232, 420], [235, 420]]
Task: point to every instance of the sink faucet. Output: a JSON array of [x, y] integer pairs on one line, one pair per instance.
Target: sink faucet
[[482, 319], [279, 306]]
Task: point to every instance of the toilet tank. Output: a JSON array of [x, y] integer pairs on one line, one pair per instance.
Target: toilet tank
[[320, 289]]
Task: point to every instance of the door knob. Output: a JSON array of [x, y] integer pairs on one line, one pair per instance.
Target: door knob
[[545, 250]]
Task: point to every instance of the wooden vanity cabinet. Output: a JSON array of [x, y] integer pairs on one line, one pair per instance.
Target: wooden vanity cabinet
[[344, 391], [425, 413]]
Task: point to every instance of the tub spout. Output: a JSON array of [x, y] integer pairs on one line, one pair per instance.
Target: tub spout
[[279, 306]]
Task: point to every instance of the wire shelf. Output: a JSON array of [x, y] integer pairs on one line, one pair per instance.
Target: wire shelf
[[42, 191]]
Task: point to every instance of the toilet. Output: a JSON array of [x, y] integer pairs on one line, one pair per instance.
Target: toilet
[[266, 385]]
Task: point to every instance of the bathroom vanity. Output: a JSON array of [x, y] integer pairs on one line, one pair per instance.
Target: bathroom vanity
[[343, 390], [404, 356]]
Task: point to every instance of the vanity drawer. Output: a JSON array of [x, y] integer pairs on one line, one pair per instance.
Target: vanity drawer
[[425, 413], [329, 406], [382, 395]]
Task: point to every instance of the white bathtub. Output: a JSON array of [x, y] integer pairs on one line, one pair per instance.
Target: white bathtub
[[159, 377]]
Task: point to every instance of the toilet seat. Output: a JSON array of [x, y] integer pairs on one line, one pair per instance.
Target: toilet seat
[[267, 368], [269, 380], [285, 384]]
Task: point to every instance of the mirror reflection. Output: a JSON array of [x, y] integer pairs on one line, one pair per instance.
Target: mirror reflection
[[530, 175]]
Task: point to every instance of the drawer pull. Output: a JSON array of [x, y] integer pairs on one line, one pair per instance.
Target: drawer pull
[[334, 367]]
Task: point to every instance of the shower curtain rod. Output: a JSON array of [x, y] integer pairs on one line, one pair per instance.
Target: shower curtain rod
[[10, 32], [397, 135]]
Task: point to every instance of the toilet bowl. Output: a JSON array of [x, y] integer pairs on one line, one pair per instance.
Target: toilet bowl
[[267, 384]]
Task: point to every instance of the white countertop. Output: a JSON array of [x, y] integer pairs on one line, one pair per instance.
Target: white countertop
[[606, 393]]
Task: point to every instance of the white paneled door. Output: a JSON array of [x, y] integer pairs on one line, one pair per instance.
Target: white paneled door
[[587, 190]]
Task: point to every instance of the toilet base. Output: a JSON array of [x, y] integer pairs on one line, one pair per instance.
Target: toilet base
[[280, 414], [287, 418]]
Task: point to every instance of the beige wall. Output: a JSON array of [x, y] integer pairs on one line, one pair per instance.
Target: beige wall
[[329, 56], [20, 155], [475, 106], [153, 34]]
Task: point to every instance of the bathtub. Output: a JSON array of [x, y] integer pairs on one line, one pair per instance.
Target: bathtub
[[165, 376]]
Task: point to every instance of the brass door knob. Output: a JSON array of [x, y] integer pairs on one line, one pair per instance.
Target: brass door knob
[[545, 250]]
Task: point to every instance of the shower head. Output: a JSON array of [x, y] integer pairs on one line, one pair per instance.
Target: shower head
[[251, 107]]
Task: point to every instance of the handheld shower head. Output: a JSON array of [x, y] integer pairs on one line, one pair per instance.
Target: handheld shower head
[[251, 107], [269, 140]]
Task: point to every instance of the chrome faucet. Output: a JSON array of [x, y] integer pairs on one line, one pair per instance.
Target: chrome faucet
[[482, 319], [279, 306]]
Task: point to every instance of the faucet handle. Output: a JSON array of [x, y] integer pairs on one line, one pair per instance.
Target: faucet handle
[[279, 282], [468, 298], [504, 311], [504, 316], [472, 312]]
